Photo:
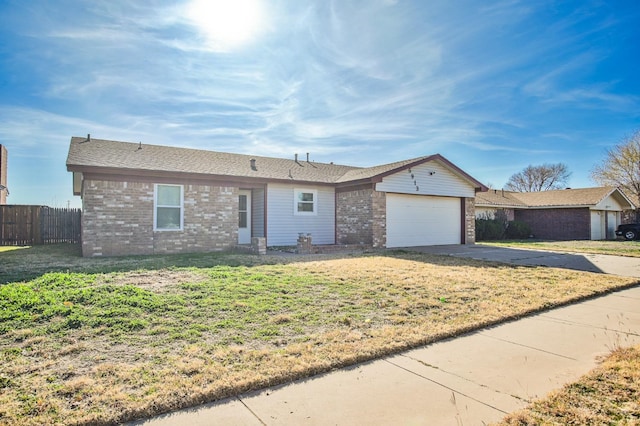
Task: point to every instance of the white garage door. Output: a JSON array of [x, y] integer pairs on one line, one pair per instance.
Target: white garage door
[[414, 220]]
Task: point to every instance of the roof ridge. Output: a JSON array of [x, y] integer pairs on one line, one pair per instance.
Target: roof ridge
[[235, 154]]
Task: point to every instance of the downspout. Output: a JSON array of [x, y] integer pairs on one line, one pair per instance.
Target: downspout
[[463, 211], [335, 215], [266, 213]]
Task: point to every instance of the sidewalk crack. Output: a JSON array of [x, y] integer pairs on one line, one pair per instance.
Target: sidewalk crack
[[251, 411], [455, 390], [528, 347]]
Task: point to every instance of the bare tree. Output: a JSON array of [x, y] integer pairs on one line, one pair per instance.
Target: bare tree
[[539, 178], [621, 167]]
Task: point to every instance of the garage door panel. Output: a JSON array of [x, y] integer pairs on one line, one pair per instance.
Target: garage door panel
[[422, 220]]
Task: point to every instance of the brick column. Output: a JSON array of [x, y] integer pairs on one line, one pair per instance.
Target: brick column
[[470, 220]]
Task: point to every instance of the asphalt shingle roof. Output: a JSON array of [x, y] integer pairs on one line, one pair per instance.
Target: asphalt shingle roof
[[498, 198], [542, 199], [133, 156], [106, 155], [565, 197]]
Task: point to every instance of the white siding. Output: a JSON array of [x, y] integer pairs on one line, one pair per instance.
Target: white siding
[[258, 213], [608, 203], [430, 178], [283, 226], [613, 218], [422, 220], [609, 208], [601, 228], [597, 225]]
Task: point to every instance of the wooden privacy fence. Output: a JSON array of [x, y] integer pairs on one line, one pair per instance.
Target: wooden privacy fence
[[35, 225]]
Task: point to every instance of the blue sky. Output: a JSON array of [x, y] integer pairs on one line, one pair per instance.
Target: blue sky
[[492, 85]]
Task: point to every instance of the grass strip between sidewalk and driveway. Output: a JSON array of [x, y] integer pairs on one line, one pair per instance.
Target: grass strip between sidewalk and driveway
[[101, 341], [607, 395]]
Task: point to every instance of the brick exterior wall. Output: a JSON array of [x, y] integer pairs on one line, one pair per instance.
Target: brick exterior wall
[[470, 220], [630, 216], [557, 224], [3, 173], [117, 219], [361, 217], [379, 208], [354, 217]]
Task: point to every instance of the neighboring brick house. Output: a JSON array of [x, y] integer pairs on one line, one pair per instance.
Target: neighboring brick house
[[4, 191], [143, 199], [565, 214], [493, 200]]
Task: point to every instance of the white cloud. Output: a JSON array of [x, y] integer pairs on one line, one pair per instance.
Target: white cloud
[[351, 81]]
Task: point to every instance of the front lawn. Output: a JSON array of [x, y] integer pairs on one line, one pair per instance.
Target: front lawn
[[615, 248], [107, 340]]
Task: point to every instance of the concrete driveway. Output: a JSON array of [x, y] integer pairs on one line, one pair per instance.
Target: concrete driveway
[[605, 264]]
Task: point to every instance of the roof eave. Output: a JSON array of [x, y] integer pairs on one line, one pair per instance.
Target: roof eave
[[499, 206], [632, 206], [148, 174], [563, 206]]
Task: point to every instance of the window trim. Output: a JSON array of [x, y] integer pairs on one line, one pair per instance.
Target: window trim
[[296, 193], [246, 211], [156, 206]]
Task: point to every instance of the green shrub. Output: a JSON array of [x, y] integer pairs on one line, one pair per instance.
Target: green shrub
[[491, 227], [518, 230]]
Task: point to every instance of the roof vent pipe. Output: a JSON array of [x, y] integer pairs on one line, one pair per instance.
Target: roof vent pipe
[[296, 157], [253, 164], [307, 157]]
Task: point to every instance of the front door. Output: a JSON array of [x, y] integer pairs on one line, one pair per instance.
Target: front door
[[244, 217]]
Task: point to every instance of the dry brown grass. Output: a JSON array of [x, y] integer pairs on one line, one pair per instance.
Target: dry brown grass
[[303, 316], [608, 395], [614, 248]]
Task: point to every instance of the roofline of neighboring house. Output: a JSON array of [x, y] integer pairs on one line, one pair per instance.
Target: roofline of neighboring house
[[560, 206], [567, 206], [500, 206]]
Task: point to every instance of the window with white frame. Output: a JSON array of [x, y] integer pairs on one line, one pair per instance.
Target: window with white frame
[[168, 207], [305, 202]]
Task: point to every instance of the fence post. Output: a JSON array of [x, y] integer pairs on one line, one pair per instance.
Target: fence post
[[35, 225]]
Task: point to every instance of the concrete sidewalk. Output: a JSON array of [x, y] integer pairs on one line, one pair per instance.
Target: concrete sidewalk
[[471, 380]]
